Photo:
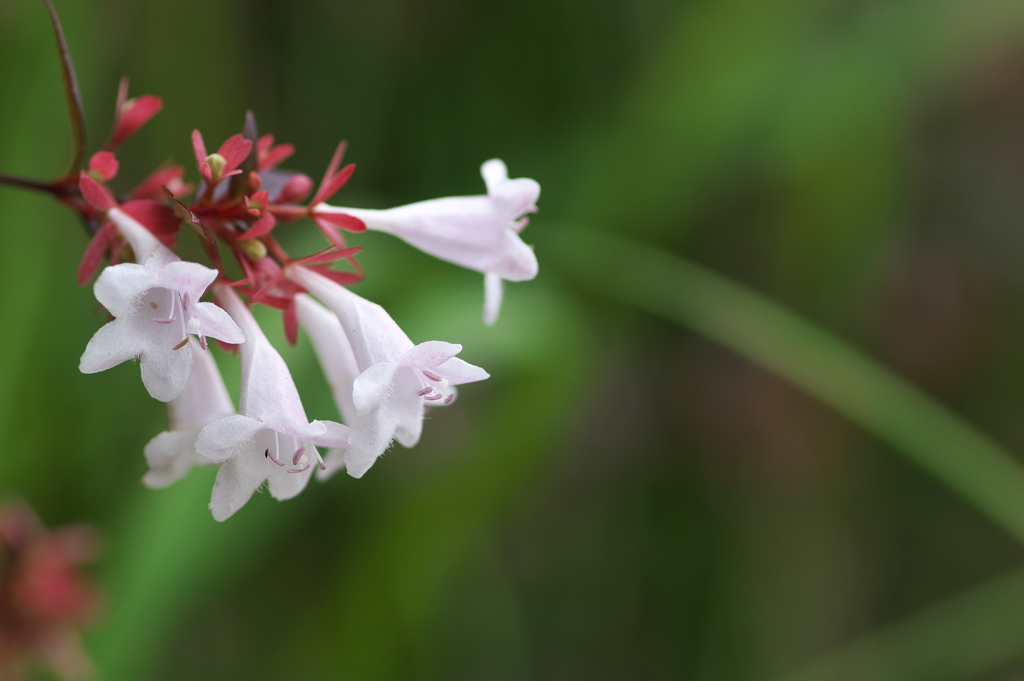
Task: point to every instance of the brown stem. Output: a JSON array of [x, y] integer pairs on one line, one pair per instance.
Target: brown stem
[[73, 94], [28, 183]]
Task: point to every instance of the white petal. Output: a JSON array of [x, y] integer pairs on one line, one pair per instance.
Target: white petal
[[492, 297], [373, 387], [374, 335], [187, 277], [204, 399], [119, 287], [284, 485], [228, 438], [335, 435], [170, 455], [430, 354], [334, 351], [216, 323], [494, 173], [144, 244], [406, 408], [457, 372], [367, 444], [268, 390], [164, 369], [112, 344], [236, 481]]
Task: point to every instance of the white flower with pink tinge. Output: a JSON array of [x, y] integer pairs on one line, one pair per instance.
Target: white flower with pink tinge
[[172, 453], [270, 439], [477, 232], [396, 380], [156, 307]]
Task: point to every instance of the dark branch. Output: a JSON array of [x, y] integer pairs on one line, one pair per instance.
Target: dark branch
[[29, 183], [73, 94]]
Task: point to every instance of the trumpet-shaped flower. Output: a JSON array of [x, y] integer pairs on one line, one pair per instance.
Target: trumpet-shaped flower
[[397, 380], [270, 439], [172, 453], [340, 369], [477, 232], [156, 307]]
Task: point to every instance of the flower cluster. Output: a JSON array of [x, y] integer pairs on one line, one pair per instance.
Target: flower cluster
[[164, 310]]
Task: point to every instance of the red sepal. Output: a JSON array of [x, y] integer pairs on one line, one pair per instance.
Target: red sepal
[[331, 187], [132, 115], [269, 156], [260, 228], [290, 318], [98, 196], [165, 176], [234, 150], [348, 222], [100, 243], [156, 217], [332, 169], [339, 277]]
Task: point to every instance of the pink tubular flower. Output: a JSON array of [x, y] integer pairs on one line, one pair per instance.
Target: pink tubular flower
[[397, 380], [339, 364], [270, 439], [155, 306], [477, 232], [172, 453]]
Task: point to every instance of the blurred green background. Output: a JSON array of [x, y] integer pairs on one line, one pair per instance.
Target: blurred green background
[[757, 418]]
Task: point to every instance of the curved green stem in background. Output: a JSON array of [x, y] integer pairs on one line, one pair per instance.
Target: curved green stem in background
[[962, 637], [831, 370]]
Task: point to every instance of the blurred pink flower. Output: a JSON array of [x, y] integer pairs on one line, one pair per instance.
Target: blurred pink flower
[[44, 600]]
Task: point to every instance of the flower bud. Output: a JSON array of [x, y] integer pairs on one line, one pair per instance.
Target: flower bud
[[253, 248], [217, 165]]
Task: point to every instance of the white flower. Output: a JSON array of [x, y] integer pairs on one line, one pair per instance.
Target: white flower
[[270, 439], [477, 232], [172, 453], [339, 364], [155, 306], [397, 380]]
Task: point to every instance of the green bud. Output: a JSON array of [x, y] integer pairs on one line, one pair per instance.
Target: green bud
[[253, 248]]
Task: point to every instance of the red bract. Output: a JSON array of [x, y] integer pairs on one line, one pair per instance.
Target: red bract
[[269, 156], [166, 176], [224, 163], [131, 114]]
